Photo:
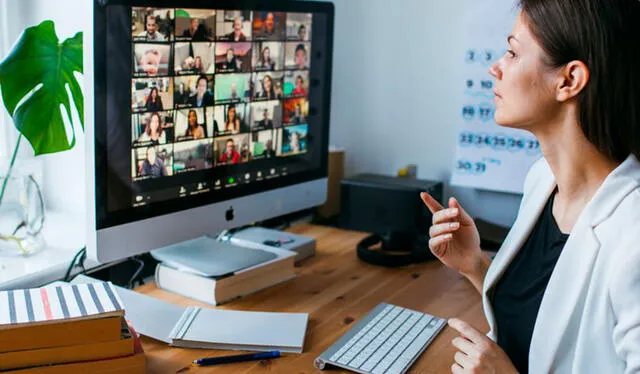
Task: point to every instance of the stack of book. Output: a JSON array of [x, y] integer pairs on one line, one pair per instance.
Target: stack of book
[[219, 290], [77, 328]]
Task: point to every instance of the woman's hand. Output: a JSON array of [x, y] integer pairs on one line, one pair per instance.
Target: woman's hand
[[477, 353], [454, 237]]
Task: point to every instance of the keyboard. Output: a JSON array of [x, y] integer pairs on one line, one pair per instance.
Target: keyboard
[[388, 340]]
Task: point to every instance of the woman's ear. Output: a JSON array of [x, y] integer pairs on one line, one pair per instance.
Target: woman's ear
[[574, 76]]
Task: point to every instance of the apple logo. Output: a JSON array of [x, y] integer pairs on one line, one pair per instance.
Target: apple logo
[[229, 214]]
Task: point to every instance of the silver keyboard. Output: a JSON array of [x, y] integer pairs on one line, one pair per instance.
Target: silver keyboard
[[388, 340]]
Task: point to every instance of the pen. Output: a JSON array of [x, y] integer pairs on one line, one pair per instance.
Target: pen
[[237, 358]]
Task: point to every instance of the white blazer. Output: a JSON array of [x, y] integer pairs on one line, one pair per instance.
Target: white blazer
[[589, 318]]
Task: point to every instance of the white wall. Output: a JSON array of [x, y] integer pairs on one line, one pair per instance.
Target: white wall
[[396, 96]]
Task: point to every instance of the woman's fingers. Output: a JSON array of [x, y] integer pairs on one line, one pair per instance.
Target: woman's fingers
[[443, 228], [430, 202], [436, 243], [445, 215]]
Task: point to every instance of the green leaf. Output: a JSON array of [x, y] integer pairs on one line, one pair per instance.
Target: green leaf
[[34, 79]]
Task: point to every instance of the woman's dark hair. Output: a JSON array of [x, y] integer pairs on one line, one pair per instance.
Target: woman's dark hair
[[187, 133], [160, 130], [604, 35], [272, 91]]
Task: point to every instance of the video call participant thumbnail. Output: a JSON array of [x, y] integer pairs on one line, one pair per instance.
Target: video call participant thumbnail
[[263, 144], [190, 124], [152, 128], [297, 55], [232, 88], [296, 111], [196, 25], [193, 155], [294, 140], [234, 26], [233, 57], [268, 85], [202, 96], [266, 115], [155, 25], [193, 58], [232, 150], [268, 25], [299, 26], [151, 60], [151, 94], [152, 162], [268, 56], [232, 118], [296, 83]]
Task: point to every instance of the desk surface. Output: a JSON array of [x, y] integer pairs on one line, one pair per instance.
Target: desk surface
[[336, 289]]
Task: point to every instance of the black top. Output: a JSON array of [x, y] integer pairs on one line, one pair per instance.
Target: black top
[[518, 294]]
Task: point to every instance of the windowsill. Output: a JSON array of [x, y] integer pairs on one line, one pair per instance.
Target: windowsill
[[64, 235]]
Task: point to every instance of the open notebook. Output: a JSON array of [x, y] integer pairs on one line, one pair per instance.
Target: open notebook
[[195, 327]]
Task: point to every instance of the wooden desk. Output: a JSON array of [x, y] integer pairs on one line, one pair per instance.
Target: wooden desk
[[336, 289]]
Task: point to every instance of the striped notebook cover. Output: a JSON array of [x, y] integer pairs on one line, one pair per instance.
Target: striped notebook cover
[[53, 304]]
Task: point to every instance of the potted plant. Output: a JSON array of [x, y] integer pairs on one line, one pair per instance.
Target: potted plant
[[38, 84]]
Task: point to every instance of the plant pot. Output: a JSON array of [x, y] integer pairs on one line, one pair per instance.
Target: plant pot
[[21, 215]]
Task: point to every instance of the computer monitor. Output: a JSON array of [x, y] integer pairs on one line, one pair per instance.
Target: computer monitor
[[207, 115]]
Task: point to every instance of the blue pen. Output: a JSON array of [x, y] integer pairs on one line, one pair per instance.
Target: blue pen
[[237, 358]]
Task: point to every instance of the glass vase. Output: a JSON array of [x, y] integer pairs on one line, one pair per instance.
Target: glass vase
[[22, 215]]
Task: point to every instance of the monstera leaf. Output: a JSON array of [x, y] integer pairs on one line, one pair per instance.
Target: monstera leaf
[[34, 79]]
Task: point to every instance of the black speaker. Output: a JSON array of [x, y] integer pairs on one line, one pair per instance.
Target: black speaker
[[391, 209]]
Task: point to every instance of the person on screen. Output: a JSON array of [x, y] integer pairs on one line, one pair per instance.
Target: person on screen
[[299, 90], [153, 131], [167, 25], [151, 32], [202, 96], [234, 91], [268, 92], [237, 35], [298, 118], [154, 102], [196, 31], [181, 96], [300, 58], [295, 142], [302, 32], [268, 149], [197, 65], [194, 129], [230, 156], [150, 62], [265, 62], [269, 25], [265, 122], [153, 166], [233, 122], [231, 63]]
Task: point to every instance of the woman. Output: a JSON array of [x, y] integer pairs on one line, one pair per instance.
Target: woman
[[563, 293], [268, 92], [197, 65], [153, 131], [154, 102], [295, 142], [299, 89], [266, 62], [194, 130], [232, 124], [237, 35]]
